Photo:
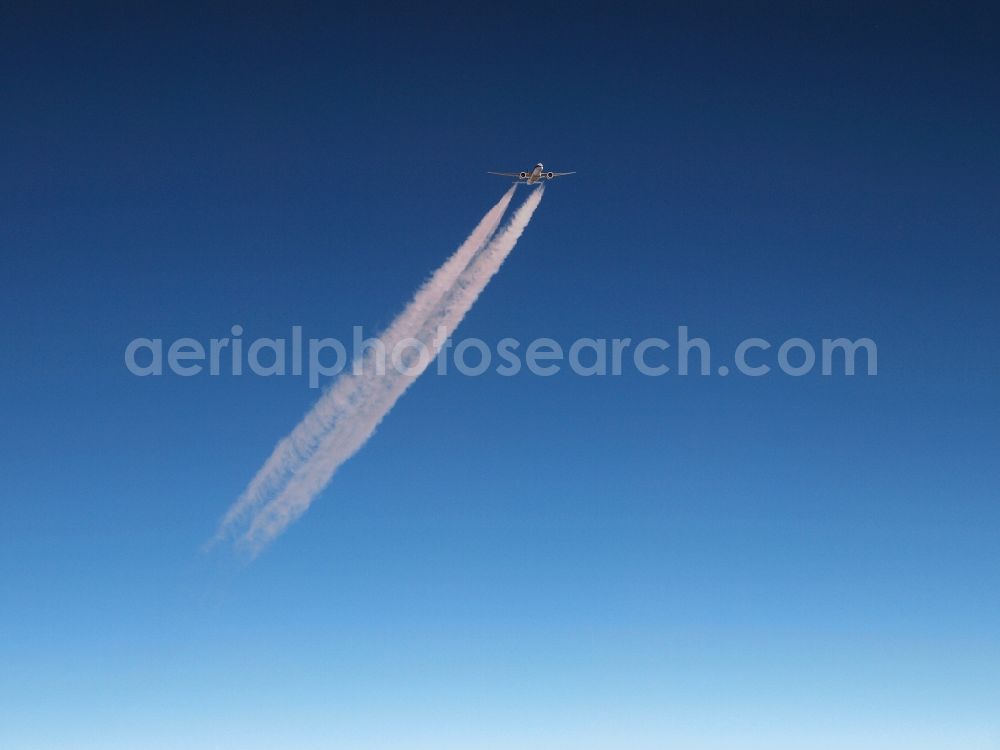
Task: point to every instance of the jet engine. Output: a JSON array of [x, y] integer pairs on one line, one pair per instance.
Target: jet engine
[[523, 175], [550, 175]]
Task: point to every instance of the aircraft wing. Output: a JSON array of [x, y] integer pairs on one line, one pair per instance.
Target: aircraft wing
[[559, 174], [506, 174]]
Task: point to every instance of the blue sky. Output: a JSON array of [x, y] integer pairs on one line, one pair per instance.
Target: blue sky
[[696, 562]]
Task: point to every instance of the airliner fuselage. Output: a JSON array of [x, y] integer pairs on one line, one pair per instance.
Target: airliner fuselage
[[535, 176]]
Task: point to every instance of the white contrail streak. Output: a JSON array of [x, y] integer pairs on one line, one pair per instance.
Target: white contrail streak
[[347, 415], [293, 450], [346, 439]]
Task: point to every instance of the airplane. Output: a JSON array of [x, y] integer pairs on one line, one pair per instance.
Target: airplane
[[534, 177]]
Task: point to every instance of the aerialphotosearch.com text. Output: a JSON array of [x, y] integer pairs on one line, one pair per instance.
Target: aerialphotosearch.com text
[[319, 359]]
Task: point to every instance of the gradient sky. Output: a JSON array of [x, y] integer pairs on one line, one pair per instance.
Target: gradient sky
[[532, 563]]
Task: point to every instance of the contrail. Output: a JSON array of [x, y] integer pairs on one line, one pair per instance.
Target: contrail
[[346, 439], [293, 450], [347, 415]]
